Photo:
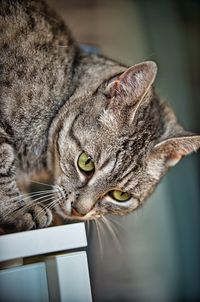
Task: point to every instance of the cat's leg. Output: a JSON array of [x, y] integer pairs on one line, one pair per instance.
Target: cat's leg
[[13, 209]]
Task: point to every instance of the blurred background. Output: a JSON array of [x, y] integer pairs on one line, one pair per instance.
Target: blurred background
[[157, 256]]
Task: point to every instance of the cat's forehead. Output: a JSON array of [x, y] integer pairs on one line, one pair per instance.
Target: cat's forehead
[[101, 151], [105, 150]]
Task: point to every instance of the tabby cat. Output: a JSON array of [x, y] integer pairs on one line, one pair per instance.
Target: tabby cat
[[97, 126]]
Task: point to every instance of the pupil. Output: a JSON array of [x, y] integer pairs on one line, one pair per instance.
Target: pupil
[[88, 161]]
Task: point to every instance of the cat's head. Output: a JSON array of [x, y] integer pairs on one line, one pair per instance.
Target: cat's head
[[113, 146]]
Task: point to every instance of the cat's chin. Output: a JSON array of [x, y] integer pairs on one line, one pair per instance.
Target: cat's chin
[[77, 217]]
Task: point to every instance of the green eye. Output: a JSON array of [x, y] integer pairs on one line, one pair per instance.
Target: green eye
[[85, 163], [119, 195]]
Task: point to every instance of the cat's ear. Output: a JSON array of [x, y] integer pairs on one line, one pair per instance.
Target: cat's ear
[[171, 150], [134, 83]]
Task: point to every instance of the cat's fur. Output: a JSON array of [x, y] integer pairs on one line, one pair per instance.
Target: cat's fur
[[56, 101]]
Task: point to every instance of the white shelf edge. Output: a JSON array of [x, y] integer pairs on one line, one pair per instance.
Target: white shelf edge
[[42, 241]]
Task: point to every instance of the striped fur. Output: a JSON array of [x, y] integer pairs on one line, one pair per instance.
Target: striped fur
[[56, 101]]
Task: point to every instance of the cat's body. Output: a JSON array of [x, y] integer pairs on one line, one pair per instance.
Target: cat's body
[[32, 61], [56, 102]]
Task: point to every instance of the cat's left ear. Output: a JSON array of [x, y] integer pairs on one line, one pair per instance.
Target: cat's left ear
[[131, 86], [171, 150]]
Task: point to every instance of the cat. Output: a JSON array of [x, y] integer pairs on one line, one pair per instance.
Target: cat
[[97, 126]]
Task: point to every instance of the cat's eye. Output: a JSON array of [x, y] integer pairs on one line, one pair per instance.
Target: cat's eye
[[85, 163], [120, 196]]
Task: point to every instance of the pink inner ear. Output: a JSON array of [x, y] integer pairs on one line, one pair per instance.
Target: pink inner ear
[[117, 87], [173, 149], [173, 159], [134, 82]]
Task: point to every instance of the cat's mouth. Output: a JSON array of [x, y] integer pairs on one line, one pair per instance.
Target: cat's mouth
[[67, 209], [75, 215]]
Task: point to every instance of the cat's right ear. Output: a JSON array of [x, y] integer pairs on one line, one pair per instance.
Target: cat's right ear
[[131, 86], [171, 150]]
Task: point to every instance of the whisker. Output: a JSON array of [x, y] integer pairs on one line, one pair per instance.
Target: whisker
[[42, 194], [101, 227], [41, 183], [42, 191], [114, 236], [116, 222], [99, 238], [87, 227], [38, 200], [54, 203], [49, 206], [28, 195], [113, 226]]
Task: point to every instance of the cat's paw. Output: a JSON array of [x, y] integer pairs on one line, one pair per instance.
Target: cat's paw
[[36, 217]]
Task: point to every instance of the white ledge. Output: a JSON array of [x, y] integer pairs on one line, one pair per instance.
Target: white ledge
[[43, 241]]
